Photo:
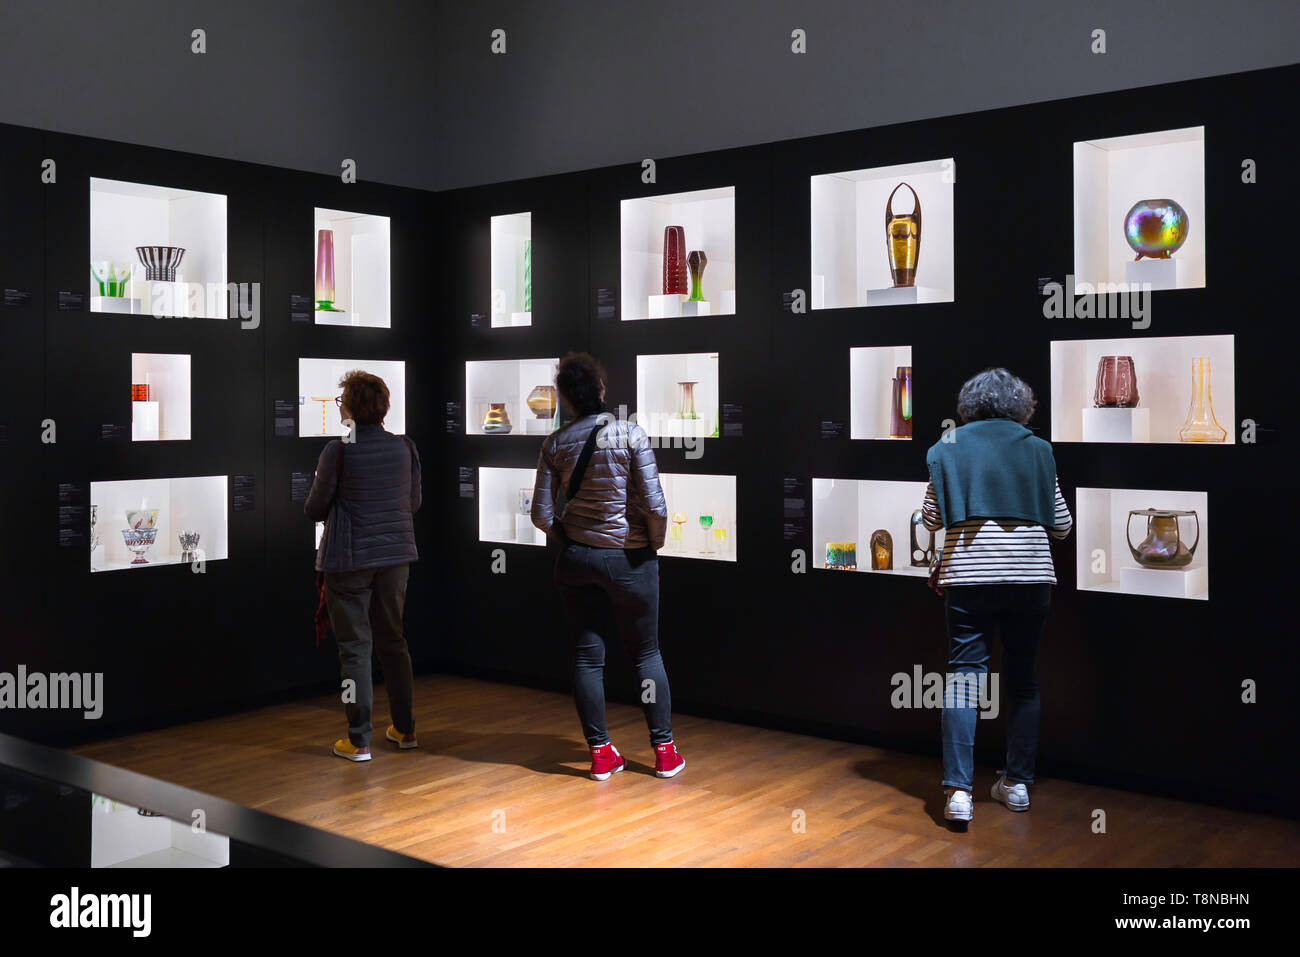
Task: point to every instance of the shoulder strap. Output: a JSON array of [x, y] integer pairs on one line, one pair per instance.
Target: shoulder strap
[[580, 470]]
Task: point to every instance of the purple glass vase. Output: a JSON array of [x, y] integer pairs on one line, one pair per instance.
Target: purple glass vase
[[325, 270]]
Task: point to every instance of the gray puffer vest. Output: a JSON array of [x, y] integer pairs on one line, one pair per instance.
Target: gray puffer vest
[[378, 493]]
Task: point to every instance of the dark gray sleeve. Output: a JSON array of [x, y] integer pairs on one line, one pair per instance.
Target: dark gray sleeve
[[326, 482]]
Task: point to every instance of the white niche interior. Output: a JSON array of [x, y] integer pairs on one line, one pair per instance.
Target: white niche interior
[[850, 255], [318, 386], [197, 504], [851, 510], [666, 388], [1112, 174], [505, 502], [125, 215], [1106, 564], [512, 279], [508, 382], [165, 415], [691, 497], [1163, 369], [708, 218], [362, 268]]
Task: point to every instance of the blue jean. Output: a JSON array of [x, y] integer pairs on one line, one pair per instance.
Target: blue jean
[[609, 591], [973, 612]]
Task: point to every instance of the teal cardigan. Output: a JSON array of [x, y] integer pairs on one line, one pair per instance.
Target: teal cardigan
[[993, 468]]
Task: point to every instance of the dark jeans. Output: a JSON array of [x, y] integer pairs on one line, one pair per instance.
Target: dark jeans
[[607, 591], [365, 609], [973, 612]]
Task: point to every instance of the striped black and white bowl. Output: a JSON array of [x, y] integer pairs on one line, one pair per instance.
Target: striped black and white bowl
[[160, 262]]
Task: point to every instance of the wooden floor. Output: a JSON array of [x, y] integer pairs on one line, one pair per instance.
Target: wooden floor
[[500, 780]]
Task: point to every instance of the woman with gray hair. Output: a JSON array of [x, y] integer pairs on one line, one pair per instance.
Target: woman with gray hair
[[993, 488]]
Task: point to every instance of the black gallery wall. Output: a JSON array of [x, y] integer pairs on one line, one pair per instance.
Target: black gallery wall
[[1138, 692]]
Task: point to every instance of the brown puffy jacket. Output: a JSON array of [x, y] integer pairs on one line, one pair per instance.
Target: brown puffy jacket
[[620, 503]]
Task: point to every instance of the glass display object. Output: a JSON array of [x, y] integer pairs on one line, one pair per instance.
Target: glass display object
[[900, 408], [903, 239], [496, 422], [324, 411], [528, 275], [842, 556], [696, 261], [139, 392], [189, 542], [706, 523], [1200, 424], [675, 530], [1155, 228], [882, 551], [1163, 546], [542, 401], [674, 261], [325, 271], [138, 541], [720, 538], [1116, 386], [525, 501], [921, 555], [141, 517], [160, 262], [94, 527], [686, 400], [111, 278]]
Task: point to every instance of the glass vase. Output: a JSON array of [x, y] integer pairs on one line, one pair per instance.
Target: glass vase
[[903, 239], [706, 523], [686, 400], [1116, 386], [900, 410], [1201, 425], [882, 550], [674, 261], [325, 271], [696, 261], [528, 275]]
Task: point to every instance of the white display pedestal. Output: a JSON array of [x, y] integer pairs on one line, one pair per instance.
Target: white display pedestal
[[1160, 273], [903, 295], [1117, 425], [97, 558], [698, 308], [144, 421], [525, 531], [115, 304], [330, 317], [728, 302], [536, 426], [521, 318], [1190, 582], [665, 307]]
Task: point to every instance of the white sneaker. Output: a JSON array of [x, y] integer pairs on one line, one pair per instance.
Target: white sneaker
[[958, 807], [1014, 796]]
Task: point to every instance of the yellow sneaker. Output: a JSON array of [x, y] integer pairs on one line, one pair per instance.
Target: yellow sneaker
[[403, 741], [346, 749]]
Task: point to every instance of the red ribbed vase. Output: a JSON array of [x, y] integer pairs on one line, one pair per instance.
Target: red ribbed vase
[[675, 261]]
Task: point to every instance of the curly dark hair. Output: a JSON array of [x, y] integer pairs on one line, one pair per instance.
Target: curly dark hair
[[366, 397], [580, 379], [996, 394]]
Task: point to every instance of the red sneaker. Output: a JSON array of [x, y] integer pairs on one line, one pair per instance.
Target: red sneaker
[[667, 761], [605, 760]]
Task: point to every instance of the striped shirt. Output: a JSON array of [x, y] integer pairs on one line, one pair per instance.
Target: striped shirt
[[993, 551]]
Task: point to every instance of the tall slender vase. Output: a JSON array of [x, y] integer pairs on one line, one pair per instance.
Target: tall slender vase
[[900, 409], [903, 239], [528, 275], [674, 261], [696, 261], [1201, 425], [686, 400], [325, 271]]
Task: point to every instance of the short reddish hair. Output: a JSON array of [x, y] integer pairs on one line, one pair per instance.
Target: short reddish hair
[[366, 397]]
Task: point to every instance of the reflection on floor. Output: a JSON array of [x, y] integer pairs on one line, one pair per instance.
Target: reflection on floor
[[500, 780]]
